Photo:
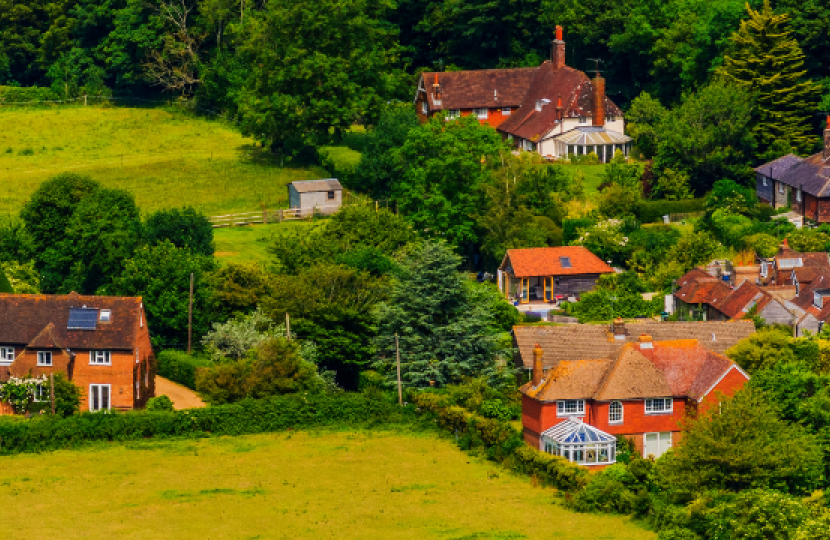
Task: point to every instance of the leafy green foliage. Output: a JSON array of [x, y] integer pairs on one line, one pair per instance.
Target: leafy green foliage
[[806, 240], [159, 404], [444, 335], [5, 284], [274, 368], [184, 228], [180, 367], [237, 289], [161, 275], [236, 337]]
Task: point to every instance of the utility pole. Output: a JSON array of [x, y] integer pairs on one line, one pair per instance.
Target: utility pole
[[190, 316], [52, 391], [398, 361]]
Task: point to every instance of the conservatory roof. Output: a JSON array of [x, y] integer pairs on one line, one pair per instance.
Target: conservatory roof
[[591, 135], [574, 431]]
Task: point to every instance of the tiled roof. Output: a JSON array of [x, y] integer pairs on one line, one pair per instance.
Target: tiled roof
[[491, 88], [694, 274], [703, 291], [548, 261], [595, 341], [812, 175], [806, 296], [742, 299], [306, 186], [41, 321], [677, 368], [576, 91]]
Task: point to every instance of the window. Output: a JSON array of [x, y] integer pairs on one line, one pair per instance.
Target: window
[[610, 118], [452, 114], [565, 262], [798, 195], [424, 108], [615, 413], [817, 300], [481, 113], [6, 355], [658, 405], [330, 195], [780, 188], [506, 112], [656, 444], [101, 358], [99, 397], [764, 181], [583, 119], [40, 394], [137, 390], [567, 407], [44, 358], [105, 315]]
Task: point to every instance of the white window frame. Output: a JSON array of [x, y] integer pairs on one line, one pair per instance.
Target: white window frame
[[481, 113], [42, 356], [798, 195], [105, 315], [452, 114], [583, 119], [818, 300], [764, 181], [507, 111], [6, 355], [578, 409], [651, 405], [99, 387], [424, 107], [38, 393], [659, 434], [780, 188], [100, 358], [612, 417]]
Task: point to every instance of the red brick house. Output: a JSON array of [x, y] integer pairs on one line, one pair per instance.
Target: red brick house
[[552, 109], [100, 343], [540, 274], [642, 392]]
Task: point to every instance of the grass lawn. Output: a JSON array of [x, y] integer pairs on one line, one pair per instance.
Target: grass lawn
[[165, 158], [250, 243], [318, 484]]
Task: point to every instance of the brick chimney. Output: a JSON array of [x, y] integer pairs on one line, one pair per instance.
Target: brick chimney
[[436, 91], [557, 50], [538, 369], [827, 139], [598, 119]]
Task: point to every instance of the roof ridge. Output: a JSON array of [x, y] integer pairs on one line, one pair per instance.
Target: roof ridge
[[606, 377]]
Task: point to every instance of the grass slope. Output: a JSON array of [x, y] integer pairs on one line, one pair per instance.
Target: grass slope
[[318, 484], [165, 158], [251, 243]]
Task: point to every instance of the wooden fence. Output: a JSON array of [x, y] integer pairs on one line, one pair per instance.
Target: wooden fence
[[673, 218], [285, 214]]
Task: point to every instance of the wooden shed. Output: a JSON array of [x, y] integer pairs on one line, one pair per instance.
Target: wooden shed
[[325, 196]]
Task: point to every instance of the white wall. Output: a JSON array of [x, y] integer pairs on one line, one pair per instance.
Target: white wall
[[320, 199]]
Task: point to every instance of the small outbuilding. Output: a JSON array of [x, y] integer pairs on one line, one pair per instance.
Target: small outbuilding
[[324, 196]]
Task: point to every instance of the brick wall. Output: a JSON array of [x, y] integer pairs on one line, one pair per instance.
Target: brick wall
[[731, 383]]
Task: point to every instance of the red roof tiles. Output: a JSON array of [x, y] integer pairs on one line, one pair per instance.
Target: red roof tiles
[[548, 261]]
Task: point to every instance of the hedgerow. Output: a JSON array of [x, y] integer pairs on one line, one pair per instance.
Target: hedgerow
[[181, 367], [244, 417], [652, 211]]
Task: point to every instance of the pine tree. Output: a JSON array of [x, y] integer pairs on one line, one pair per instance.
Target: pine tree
[[766, 58]]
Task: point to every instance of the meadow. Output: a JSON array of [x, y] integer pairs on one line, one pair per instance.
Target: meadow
[[164, 157], [250, 243], [315, 484]]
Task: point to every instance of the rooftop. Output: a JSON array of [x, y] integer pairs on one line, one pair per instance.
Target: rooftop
[[553, 261]]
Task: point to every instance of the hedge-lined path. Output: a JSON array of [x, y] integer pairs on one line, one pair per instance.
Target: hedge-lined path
[[181, 396]]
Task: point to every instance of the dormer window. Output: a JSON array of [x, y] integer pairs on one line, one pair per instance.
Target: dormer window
[[565, 262], [817, 300], [105, 315]]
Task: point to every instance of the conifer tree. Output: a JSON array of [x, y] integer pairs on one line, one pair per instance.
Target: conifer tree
[[765, 58]]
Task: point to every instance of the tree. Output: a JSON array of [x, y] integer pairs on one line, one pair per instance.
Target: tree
[[379, 165], [673, 185], [67, 396], [763, 350], [446, 163], [184, 227], [5, 285], [104, 231], [160, 274], [47, 215], [765, 59], [237, 289], [807, 240], [314, 68], [743, 444], [444, 335], [174, 65]]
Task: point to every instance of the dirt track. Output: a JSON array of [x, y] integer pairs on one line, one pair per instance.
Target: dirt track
[[181, 396]]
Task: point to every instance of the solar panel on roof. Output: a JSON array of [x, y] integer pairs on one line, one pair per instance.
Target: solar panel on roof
[[82, 319], [565, 262]]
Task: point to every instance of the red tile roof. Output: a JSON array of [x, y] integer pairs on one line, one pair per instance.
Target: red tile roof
[[491, 88], [680, 368], [703, 291], [547, 261], [40, 320]]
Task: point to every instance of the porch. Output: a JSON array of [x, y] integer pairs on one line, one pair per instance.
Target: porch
[[537, 291]]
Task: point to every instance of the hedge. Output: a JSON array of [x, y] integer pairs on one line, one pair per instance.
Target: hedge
[[181, 367], [43, 433], [653, 211], [501, 442], [14, 94]]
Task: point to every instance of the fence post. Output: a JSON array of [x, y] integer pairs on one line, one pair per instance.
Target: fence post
[[85, 96]]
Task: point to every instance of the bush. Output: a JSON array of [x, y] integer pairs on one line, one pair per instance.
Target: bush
[[180, 367], [159, 404], [44, 433], [653, 211], [755, 514], [14, 94], [184, 227]]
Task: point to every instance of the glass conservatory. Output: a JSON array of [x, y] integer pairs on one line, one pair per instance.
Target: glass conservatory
[[580, 443]]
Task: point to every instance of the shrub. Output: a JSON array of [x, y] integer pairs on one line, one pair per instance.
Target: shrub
[[184, 227], [15, 94], [159, 404], [181, 367], [44, 433], [652, 211], [755, 514]]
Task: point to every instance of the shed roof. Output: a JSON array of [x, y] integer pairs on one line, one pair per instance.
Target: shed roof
[[41, 320], [553, 261], [307, 186]]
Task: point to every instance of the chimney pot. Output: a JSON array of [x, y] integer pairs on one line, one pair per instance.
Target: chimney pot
[[538, 368], [557, 51], [827, 140], [645, 338]]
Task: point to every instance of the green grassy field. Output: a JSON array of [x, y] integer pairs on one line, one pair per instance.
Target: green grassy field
[[250, 244], [165, 158], [318, 484]]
